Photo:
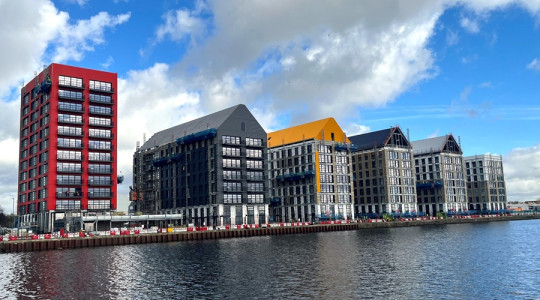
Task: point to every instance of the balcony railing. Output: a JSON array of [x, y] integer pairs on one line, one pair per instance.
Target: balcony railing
[[93, 147], [99, 183], [108, 91], [101, 136], [100, 195], [71, 146], [64, 195], [100, 112], [69, 170], [70, 133], [73, 158], [70, 121], [98, 159], [71, 86], [98, 171], [69, 182], [109, 125], [71, 109]]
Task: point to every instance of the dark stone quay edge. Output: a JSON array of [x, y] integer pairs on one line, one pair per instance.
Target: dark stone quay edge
[[116, 240]]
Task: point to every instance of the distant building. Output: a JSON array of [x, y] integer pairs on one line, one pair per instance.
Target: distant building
[[211, 170], [309, 172], [67, 158], [440, 181], [383, 173], [486, 188]]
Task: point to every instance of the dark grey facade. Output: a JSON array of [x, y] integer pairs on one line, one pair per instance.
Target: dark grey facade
[[211, 170]]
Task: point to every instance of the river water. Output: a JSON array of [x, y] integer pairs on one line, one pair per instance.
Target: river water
[[497, 260]]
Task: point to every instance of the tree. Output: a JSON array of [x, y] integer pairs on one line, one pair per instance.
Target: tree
[[5, 220]]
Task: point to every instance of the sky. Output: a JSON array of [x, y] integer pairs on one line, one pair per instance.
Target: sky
[[432, 67]]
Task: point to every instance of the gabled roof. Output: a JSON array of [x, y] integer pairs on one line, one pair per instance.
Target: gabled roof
[[371, 139], [317, 130], [438, 144], [207, 122]]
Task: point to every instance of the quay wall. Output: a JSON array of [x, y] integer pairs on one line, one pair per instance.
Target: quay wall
[[116, 240]]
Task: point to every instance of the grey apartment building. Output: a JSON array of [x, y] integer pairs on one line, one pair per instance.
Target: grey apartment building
[[211, 170], [440, 181], [383, 173], [486, 189]]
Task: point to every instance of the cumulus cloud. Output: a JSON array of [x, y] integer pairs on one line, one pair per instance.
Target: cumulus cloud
[[183, 23], [522, 173], [74, 40]]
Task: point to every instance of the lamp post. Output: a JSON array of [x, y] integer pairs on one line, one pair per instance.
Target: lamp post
[[13, 200]]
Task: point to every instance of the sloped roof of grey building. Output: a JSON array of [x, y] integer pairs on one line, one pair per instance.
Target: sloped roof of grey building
[[371, 140], [445, 143], [213, 120]]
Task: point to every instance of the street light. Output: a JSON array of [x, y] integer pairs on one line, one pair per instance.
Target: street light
[[13, 200]]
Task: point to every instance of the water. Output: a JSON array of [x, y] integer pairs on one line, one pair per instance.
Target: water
[[497, 260]]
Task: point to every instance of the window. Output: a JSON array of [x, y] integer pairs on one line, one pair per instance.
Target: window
[[255, 187], [232, 175], [70, 95], [68, 179], [100, 98], [99, 192], [70, 81], [232, 187], [69, 167], [255, 198], [99, 180], [70, 106], [69, 155], [67, 130], [253, 142], [71, 143], [254, 153], [234, 140], [100, 145], [229, 151], [100, 121], [100, 110], [232, 198], [254, 164], [100, 133], [97, 168], [74, 119], [99, 204], [97, 156], [231, 163], [100, 86]]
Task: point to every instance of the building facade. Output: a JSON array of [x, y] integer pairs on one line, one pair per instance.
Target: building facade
[[486, 189], [440, 181], [383, 173], [309, 172], [210, 170], [67, 157]]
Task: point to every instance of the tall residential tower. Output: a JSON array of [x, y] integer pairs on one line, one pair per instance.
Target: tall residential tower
[[67, 158]]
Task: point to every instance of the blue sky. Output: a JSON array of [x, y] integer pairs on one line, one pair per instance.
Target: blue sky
[[469, 68]]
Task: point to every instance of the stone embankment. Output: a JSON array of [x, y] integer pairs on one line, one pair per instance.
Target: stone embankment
[[187, 235]]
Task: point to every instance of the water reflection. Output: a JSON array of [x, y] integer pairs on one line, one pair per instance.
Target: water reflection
[[487, 261]]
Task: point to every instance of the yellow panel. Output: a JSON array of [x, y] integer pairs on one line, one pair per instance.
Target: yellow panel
[[317, 130]]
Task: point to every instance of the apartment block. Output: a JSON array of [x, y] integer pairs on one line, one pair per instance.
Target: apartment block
[[439, 169], [210, 170], [309, 172], [383, 173], [67, 158], [486, 188]]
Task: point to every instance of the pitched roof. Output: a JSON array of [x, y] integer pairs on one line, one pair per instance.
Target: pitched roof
[[371, 139], [435, 145], [209, 121], [317, 130]]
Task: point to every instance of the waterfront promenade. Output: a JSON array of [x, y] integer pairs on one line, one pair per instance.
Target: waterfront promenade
[[165, 235]]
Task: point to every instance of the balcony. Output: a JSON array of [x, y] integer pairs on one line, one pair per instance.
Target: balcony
[[61, 84], [100, 195], [69, 95], [70, 133], [100, 183], [71, 109], [71, 158], [74, 195], [71, 145], [102, 90], [100, 99], [102, 136], [71, 121], [101, 112], [69, 170], [93, 147], [255, 178], [99, 171], [69, 182], [102, 124], [102, 159]]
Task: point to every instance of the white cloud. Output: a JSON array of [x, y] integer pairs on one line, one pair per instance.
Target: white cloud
[[355, 129], [522, 173], [183, 23], [534, 65], [108, 62], [452, 38], [149, 101], [76, 39], [470, 25]]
